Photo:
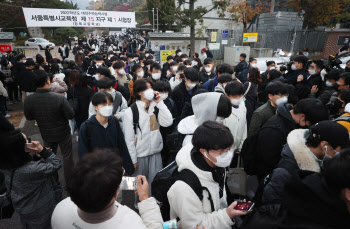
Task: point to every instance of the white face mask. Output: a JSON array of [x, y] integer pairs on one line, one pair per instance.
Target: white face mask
[[294, 67], [164, 96], [272, 68], [106, 111], [312, 72], [98, 64], [148, 94], [147, 55], [180, 53], [219, 120], [236, 102], [24, 61], [140, 74], [281, 100], [96, 77], [191, 85], [254, 65], [121, 72], [208, 69], [156, 76], [175, 69], [223, 160]]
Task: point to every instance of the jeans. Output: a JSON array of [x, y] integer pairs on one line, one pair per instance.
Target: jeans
[[66, 151]]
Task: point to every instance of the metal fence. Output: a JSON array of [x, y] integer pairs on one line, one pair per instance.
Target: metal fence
[[313, 40]]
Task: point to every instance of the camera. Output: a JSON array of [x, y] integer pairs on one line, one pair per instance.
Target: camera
[[331, 63]]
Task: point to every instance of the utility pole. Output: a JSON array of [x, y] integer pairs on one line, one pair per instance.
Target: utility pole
[[157, 21], [272, 6], [153, 18], [300, 14]]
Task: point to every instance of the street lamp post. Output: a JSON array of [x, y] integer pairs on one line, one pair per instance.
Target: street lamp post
[[300, 14]]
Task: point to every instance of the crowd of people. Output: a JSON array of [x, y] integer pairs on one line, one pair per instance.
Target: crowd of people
[[180, 128]]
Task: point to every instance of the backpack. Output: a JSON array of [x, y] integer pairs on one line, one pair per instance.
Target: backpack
[[210, 86], [165, 178], [135, 116], [117, 101], [249, 153], [174, 142]]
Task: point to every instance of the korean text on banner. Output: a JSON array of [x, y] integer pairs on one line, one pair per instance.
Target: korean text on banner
[[165, 54], [39, 17]]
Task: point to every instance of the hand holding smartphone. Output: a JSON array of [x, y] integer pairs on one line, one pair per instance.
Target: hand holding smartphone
[[244, 206], [128, 183]]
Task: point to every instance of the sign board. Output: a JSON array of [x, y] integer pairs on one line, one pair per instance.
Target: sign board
[[343, 40], [250, 37], [157, 56], [224, 42], [225, 34], [165, 54], [39, 17], [6, 36], [5, 48], [214, 46], [214, 35]]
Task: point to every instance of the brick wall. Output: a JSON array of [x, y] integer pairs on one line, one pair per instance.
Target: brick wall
[[331, 47]]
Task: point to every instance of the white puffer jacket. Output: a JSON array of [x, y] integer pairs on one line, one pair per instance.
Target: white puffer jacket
[[148, 141], [185, 204]]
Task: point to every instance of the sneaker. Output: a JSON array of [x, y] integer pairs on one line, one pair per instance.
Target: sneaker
[[7, 116], [35, 124]]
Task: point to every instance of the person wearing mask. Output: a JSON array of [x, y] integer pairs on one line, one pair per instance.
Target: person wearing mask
[[203, 54], [298, 71], [26, 79], [119, 102], [212, 83], [79, 57], [327, 195], [163, 87], [166, 65], [179, 76], [52, 112], [344, 108], [224, 79], [93, 191], [313, 83], [251, 91], [243, 75], [204, 110], [237, 121], [306, 150], [48, 54], [347, 67], [156, 72], [34, 194], [83, 94], [329, 88], [57, 85], [242, 63], [271, 65], [103, 131], [120, 75], [95, 47], [97, 63], [178, 53], [87, 61], [12, 86], [182, 93], [342, 84], [173, 68], [143, 139], [277, 94], [273, 134], [209, 53], [138, 73], [112, 59], [207, 157], [208, 72], [75, 49], [18, 67]]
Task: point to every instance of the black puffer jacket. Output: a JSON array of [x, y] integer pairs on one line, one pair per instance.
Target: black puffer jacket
[[181, 96], [51, 111]]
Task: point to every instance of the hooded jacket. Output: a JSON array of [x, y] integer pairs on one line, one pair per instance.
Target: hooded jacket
[[260, 117], [272, 137], [185, 204], [220, 89], [311, 204], [148, 140], [237, 123], [180, 95], [204, 108], [111, 137]]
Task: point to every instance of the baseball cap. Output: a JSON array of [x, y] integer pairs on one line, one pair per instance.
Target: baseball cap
[[204, 50], [332, 132]]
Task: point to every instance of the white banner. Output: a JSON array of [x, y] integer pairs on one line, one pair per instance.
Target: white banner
[[41, 17]]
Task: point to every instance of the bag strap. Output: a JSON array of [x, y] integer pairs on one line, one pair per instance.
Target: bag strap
[[135, 118], [239, 161], [246, 92], [11, 181], [211, 82], [117, 101], [344, 119]]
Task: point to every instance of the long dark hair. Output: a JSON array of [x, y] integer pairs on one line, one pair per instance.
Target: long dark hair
[[254, 75]]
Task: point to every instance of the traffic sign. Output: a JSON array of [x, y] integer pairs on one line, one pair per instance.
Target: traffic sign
[[250, 37], [225, 34]]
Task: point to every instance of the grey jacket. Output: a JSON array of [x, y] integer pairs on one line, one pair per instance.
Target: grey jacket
[[51, 111], [33, 186]]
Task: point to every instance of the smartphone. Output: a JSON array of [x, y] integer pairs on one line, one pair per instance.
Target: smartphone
[[29, 145], [128, 183], [244, 206]]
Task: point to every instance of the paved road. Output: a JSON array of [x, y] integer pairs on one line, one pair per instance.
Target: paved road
[[33, 132]]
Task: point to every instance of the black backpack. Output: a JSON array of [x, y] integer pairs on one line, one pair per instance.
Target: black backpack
[[166, 178], [174, 142], [250, 154], [135, 116], [343, 118]]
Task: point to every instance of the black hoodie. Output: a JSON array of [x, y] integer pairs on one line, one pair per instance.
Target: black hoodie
[[311, 204], [272, 137]]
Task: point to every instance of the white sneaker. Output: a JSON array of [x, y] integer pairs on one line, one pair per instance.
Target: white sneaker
[[7, 116]]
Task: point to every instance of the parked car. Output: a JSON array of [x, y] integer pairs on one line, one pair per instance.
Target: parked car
[[41, 43], [278, 60]]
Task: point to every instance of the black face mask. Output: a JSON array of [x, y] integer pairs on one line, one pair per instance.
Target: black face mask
[[336, 87], [347, 69], [338, 104]]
